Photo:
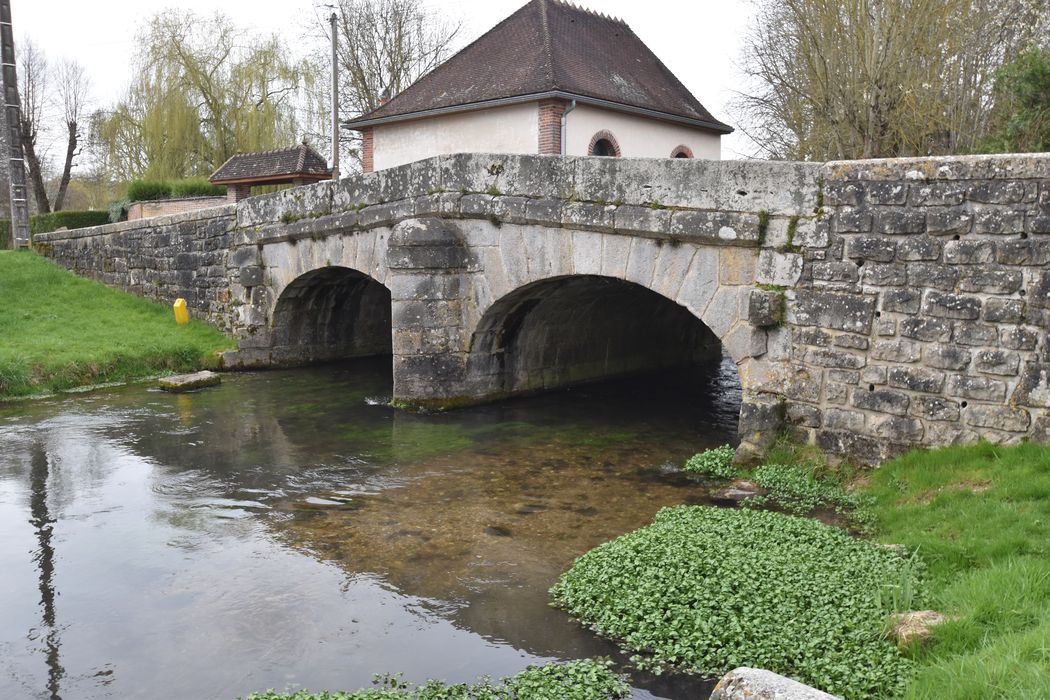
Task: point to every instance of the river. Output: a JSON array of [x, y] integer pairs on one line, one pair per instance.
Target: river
[[288, 529]]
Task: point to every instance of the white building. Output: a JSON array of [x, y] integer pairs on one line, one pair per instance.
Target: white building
[[551, 78]]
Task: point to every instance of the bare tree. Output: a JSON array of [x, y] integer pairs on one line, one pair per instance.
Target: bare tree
[[384, 46], [73, 87], [33, 90], [877, 78]]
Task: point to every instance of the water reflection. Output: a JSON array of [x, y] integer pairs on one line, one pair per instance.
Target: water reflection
[[44, 557], [288, 530]]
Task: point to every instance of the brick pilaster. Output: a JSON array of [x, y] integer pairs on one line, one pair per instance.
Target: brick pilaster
[[367, 150], [550, 115], [235, 193]]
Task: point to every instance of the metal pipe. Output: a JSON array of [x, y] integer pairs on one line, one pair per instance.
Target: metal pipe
[[335, 97], [564, 123]]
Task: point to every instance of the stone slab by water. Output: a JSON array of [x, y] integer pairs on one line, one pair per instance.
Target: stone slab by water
[[189, 382]]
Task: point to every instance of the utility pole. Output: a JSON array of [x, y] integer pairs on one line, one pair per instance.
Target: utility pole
[[335, 96], [16, 171]]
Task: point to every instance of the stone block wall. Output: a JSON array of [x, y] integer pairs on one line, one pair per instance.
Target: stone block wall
[[920, 314], [163, 259]]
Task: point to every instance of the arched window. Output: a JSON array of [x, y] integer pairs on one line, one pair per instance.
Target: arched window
[[682, 152], [604, 144]]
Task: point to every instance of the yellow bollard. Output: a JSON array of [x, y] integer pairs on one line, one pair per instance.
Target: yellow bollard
[[182, 314]]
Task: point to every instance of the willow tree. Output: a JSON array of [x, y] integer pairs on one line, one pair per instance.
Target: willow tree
[[877, 78], [202, 91]]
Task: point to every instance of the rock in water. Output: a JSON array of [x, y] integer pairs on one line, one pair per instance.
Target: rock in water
[[755, 684], [189, 382]]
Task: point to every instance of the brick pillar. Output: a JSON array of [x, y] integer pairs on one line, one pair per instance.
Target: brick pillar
[[551, 112], [367, 150], [235, 193]]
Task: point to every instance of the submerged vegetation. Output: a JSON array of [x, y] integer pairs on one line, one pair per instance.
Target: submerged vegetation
[[61, 331], [705, 590], [575, 680]]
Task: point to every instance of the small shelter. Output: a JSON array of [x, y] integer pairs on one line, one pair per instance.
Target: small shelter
[[299, 165]]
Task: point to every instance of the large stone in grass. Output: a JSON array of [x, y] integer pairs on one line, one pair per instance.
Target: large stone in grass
[[755, 684], [189, 382], [915, 626]]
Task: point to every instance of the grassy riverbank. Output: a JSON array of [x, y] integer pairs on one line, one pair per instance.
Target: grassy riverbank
[[980, 518], [704, 589], [58, 331]]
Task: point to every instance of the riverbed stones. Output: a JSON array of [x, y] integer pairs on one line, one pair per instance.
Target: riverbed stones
[[189, 382], [757, 684]]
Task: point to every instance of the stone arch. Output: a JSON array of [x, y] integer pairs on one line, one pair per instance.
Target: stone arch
[[604, 143], [712, 283], [572, 329], [682, 151], [330, 313]]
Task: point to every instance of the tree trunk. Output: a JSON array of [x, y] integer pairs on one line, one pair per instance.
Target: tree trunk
[[71, 149], [43, 206]]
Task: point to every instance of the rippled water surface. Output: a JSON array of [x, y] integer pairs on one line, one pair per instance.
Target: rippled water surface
[[287, 529]]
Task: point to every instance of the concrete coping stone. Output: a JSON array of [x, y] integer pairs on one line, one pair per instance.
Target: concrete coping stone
[[217, 212]]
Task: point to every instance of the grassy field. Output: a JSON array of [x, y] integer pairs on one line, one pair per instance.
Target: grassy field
[[980, 518], [58, 331]]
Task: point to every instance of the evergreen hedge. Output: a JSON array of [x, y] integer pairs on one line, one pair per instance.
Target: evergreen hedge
[[45, 223], [150, 190]]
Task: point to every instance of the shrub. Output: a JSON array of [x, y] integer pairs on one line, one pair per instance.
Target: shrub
[[705, 590], [714, 462], [196, 187], [45, 223], [575, 680], [147, 190], [5, 234], [118, 210]]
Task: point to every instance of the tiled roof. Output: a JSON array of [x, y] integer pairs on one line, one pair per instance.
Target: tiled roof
[[285, 163], [546, 47]]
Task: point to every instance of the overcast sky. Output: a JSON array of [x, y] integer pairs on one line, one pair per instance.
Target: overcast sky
[[699, 40]]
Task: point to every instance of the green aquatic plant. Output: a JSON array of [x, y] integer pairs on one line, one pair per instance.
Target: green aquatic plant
[[797, 489], [717, 461], [704, 590], [588, 679]]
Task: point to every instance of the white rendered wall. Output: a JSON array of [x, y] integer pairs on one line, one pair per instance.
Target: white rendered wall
[[511, 129], [638, 137]]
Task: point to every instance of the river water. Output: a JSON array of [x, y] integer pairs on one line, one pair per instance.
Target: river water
[[288, 529]]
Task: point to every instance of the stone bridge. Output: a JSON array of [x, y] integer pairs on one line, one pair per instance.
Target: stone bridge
[[869, 306]]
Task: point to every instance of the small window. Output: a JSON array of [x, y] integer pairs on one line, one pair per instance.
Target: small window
[[682, 152], [604, 144]]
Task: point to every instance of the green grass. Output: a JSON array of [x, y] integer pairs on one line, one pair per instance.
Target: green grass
[[59, 331], [705, 590], [589, 679], [980, 517]]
